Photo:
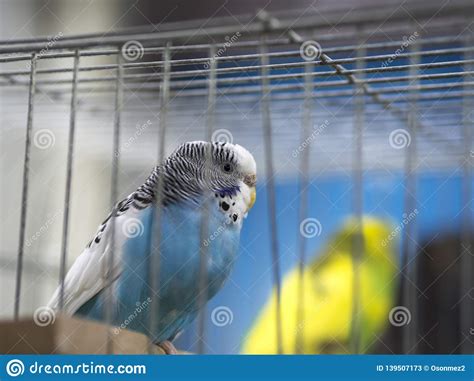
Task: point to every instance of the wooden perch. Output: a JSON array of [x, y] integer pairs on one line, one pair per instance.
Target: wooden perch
[[69, 335]]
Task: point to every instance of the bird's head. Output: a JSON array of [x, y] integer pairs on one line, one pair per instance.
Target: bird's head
[[377, 238], [223, 167]]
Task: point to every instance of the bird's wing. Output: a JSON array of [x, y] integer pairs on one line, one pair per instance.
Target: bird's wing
[[93, 269], [90, 272]]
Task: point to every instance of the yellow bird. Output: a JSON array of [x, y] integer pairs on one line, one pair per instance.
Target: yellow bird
[[324, 322]]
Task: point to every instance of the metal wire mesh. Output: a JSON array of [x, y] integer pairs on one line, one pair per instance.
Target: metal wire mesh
[[404, 79]]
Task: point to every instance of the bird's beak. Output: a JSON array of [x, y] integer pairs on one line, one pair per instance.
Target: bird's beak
[[251, 182], [253, 197]]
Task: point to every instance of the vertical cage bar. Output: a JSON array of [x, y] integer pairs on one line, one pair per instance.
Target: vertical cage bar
[[409, 247], [155, 252], [110, 300], [303, 204], [204, 230], [268, 145], [24, 193], [357, 200], [67, 197], [467, 256]]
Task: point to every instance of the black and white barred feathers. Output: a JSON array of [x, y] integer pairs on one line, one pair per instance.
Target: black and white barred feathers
[[186, 175]]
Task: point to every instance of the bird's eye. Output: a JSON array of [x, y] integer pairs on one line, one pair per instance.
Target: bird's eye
[[227, 167]]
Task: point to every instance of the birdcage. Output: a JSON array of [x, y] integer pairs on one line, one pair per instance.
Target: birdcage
[[342, 111]]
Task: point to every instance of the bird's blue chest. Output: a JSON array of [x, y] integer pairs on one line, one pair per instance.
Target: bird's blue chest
[[179, 265], [179, 272], [180, 251]]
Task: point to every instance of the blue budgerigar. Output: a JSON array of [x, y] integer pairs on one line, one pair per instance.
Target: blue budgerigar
[[219, 175]]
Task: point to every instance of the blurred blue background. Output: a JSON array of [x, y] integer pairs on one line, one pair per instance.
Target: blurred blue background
[[251, 282]]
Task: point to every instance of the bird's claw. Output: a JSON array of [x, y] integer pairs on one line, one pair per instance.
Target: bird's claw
[[168, 347]]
